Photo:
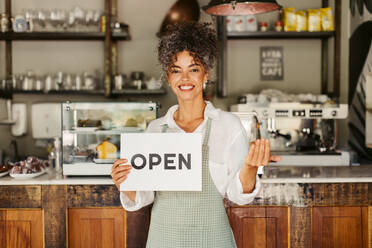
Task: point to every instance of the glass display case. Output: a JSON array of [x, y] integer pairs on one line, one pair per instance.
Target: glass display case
[[91, 133]]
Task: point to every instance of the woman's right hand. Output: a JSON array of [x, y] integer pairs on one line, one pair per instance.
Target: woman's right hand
[[119, 171]]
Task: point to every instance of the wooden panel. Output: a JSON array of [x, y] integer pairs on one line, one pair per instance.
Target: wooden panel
[[93, 196], [20, 197], [300, 227], [96, 227], [341, 194], [260, 226], [254, 232], [277, 226], [241, 215], [2, 227], [23, 229], [365, 231], [55, 215], [340, 227]]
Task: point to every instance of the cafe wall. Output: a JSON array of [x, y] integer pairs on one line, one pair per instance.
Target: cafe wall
[[301, 58]]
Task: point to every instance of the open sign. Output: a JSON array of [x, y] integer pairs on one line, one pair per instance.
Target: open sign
[[162, 161]]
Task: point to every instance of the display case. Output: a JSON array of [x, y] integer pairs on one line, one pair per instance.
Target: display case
[[91, 133]]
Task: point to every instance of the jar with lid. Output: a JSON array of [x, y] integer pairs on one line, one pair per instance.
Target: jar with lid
[[278, 26], [263, 26], [4, 22]]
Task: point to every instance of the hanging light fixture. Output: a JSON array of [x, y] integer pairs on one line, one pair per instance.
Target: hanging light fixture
[[240, 7], [182, 11]]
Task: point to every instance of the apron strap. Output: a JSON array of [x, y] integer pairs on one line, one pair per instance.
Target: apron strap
[[207, 132]]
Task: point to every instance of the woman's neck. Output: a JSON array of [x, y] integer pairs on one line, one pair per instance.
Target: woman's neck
[[189, 111]]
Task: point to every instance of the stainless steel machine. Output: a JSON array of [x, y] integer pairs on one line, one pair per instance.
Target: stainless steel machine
[[303, 134]]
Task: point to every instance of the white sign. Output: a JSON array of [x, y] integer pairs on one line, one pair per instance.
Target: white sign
[[162, 161]]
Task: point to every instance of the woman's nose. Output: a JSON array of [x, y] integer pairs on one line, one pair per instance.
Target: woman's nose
[[185, 76]]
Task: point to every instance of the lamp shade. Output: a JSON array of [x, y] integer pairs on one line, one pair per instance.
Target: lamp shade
[[182, 11], [240, 7]]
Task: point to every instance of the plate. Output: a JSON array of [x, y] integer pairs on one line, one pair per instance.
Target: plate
[[4, 173], [104, 160], [27, 176]]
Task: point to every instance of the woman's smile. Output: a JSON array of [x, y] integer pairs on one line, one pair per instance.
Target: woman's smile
[[186, 87]]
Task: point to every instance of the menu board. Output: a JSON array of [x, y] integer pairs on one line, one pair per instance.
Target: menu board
[[271, 59]]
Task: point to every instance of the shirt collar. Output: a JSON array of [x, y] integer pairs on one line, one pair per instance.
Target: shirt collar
[[209, 112]]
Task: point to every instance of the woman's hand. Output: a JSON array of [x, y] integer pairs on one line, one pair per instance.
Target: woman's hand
[[259, 154], [120, 171]]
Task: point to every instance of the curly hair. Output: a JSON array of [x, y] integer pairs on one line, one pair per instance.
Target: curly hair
[[197, 38]]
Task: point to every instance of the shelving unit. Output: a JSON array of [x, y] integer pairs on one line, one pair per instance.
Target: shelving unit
[[224, 36], [109, 38]]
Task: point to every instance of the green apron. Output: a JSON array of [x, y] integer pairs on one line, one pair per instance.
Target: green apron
[[189, 219]]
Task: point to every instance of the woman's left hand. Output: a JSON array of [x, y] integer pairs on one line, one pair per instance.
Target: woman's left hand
[[259, 154]]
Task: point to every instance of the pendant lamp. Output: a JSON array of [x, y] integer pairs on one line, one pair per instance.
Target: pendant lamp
[[240, 7], [182, 11]]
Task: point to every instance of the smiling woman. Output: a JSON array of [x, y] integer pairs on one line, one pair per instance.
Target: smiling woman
[[197, 219]]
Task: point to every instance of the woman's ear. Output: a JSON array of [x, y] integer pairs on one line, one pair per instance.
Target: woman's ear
[[206, 77]]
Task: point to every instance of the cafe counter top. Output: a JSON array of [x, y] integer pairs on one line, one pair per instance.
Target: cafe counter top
[[272, 174], [317, 174], [53, 178]]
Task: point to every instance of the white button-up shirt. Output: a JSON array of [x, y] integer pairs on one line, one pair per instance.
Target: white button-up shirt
[[228, 147]]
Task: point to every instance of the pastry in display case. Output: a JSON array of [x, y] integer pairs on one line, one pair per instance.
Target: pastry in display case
[[91, 133]]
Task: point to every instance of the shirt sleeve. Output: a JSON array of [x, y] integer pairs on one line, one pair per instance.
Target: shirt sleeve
[[235, 156], [143, 198]]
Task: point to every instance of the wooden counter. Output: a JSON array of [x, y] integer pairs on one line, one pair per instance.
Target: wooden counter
[[282, 215]]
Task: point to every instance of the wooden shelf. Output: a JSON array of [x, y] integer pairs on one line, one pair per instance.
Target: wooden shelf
[[138, 92], [93, 92], [61, 92], [62, 36], [279, 35]]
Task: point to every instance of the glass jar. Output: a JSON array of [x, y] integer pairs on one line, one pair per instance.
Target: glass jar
[[4, 23], [278, 26], [263, 26]]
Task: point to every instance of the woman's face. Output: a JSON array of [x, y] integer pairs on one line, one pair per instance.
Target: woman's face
[[186, 77]]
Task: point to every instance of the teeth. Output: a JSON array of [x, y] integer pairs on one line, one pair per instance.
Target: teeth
[[184, 87]]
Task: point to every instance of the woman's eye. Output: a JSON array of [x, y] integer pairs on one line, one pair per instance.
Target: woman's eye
[[174, 71], [195, 70]]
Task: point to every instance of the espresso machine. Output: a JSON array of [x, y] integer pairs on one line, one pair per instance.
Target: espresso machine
[[303, 134]]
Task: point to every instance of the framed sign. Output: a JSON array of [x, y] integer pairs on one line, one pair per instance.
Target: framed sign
[[162, 161], [271, 60]]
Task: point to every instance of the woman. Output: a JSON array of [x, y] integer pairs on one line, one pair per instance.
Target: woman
[[198, 219]]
